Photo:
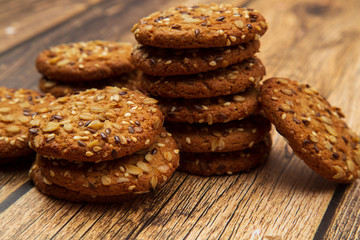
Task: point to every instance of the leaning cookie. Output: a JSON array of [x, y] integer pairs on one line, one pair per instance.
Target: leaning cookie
[[207, 164], [201, 26], [314, 129], [17, 107], [85, 61], [138, 173], [169, 62], [96, 125], [59, 89], [230, 80], [220, 137], [210, 110]]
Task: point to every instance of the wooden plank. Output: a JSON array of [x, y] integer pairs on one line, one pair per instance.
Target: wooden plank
[[21, 20], [346, 222], [283, 198], [12, 176]]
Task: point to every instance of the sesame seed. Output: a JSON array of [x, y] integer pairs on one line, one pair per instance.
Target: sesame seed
[[33, 130], [233, 38], [239, 24], [212, 63], [105, 180], [96, 149], [188, 140], [227, 104], [89, 154]]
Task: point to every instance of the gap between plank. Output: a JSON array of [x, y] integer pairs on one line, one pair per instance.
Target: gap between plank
[[330, 212], [13, 197]]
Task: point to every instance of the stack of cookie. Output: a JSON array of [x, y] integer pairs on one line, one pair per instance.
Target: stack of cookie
[[70, 68], [101, 146], [199, 63]]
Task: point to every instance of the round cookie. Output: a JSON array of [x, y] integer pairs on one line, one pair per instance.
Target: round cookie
[[207, 164], [141, 172], [17, 106], [313, 128], [96, 125], [233, 79], [169, 62], [201, 26], [59, 89], [85, 61], [51, 189], [210, 110], [220, 137]]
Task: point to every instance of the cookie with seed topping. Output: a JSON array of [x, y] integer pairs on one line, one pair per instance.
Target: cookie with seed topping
[[85, 61], [54, 190], [207, 164], [59, 89], [17, 106], [141, 172], [96, 125], [314, 129], [230, 80], [168, 62], [201, 26], [210, 110], [220, 137]]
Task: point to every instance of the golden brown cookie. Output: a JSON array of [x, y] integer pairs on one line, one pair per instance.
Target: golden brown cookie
[[220, 137], [59, 89], [141, 172], [168, 62], [85, 61], [44, 186], [207, 164], [54, 190], [17, 106], [201, 26], [96, 125], [210, 110], [230, 80], [314, 129]]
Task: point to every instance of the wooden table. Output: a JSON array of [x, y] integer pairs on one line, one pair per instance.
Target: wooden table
[[312, 41]]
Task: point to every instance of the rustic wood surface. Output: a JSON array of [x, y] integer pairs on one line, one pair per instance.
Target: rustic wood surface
[[310, 41]]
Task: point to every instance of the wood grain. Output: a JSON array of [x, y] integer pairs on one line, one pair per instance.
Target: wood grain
[[34, 17], [314, 42]]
